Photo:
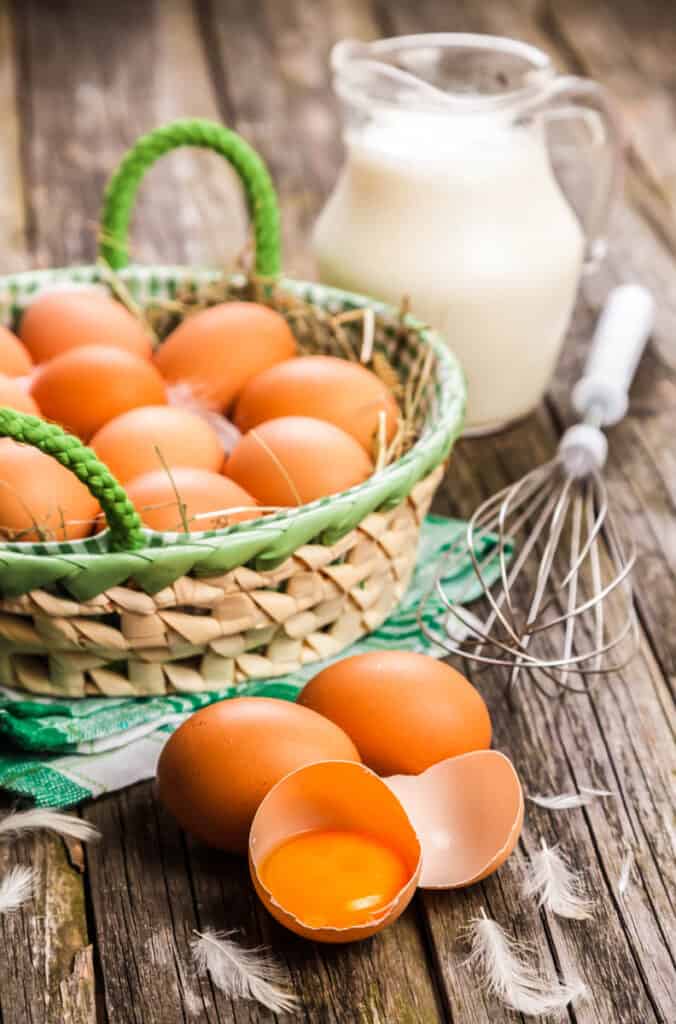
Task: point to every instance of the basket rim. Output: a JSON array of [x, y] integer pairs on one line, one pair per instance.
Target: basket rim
[[443, 425]]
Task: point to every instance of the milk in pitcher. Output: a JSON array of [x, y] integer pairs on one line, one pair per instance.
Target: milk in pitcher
[[459, 210]]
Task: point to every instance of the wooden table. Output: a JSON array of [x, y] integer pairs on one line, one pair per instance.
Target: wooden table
[[107, 936]]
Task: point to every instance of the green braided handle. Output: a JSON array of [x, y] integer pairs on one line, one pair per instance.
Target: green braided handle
[[120, 194], [122, 518]]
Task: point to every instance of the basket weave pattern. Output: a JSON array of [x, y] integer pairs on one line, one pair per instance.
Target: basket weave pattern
[[222, 630]]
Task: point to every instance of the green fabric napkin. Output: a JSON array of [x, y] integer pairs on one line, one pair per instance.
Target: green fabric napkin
[[60, 751]]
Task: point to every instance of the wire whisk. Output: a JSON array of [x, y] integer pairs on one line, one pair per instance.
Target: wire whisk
[[562, 608]]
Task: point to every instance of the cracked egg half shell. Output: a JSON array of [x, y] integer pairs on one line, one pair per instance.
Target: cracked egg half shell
[[334, 795], [467, 812]]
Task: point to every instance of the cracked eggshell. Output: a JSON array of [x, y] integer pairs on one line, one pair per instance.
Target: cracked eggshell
[[333, 795], [468, 814]]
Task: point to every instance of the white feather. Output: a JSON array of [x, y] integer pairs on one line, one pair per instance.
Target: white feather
[[625, 873], [54, 821], [558, 888], [15, 888], [504, 971], [183, 396], [242, 973], [566, 801]]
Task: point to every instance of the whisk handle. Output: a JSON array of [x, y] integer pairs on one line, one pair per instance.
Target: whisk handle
[[623, 329]]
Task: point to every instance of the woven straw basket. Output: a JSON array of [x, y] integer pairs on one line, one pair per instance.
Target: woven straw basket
[[131, 612]]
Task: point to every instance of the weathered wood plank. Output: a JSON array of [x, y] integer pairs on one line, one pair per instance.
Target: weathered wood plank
[[48, 977], [45, 972], [12, 212], [137, 67], [630, 48], [598, 743], [143, 912]]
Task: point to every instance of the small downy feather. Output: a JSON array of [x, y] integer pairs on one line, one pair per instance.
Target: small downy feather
[[53, 821], [556, 885], [182, 396], [504, 971], [566, 801], [242, 973], [15, 888], [625, 873]]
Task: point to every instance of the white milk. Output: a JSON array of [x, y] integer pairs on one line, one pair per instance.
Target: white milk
[[462, 214]]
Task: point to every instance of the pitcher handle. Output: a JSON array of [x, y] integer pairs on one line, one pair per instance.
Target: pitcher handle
[[570, 98]]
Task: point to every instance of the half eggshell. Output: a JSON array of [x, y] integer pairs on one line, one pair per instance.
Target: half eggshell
[[339, 795], [467, 812]]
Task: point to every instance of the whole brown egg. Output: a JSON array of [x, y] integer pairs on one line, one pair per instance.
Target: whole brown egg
[[217, 767]]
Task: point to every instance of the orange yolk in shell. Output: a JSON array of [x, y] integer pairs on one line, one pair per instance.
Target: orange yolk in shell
[[334, 879]]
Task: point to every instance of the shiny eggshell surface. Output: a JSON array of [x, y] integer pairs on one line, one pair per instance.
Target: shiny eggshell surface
[[84, 388], [14, 395], [39, 498], [341, 392], [468, 814], [156, 499], [64, 319], [333, 795], [404, 711], [295, 459], [218, 350], [15, 359], [142, 440], [220, 764]]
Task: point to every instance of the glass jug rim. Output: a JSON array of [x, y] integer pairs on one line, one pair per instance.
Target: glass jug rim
[[350, 53]]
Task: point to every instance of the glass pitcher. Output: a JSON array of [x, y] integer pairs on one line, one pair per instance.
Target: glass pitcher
[[448, 197]]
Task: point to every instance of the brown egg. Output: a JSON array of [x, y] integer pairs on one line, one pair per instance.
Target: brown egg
[[295, 459], [60, 320], [336, 390], [333, 795], [217, 350], [144, 439], [39, 498], [218, 766], [15, 359], [200, 491], [468, 814], [84, 388], [14, 395], [404, 711]]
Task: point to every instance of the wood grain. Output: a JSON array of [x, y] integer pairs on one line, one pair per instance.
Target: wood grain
[[48, 978], [80, 82], [137, 66], [630, 48], [12, 210], [48, 974], [551, 746]]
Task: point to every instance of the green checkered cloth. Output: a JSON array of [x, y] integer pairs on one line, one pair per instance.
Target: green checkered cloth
[[59, 752]]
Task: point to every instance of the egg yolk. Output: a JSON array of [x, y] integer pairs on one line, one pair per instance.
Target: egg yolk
[[334, 879]]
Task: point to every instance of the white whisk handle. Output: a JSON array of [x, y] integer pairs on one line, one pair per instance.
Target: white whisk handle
[[620, 337], [583, 449]]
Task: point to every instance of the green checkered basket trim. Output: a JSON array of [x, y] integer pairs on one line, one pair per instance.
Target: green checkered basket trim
[[89, 567]]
